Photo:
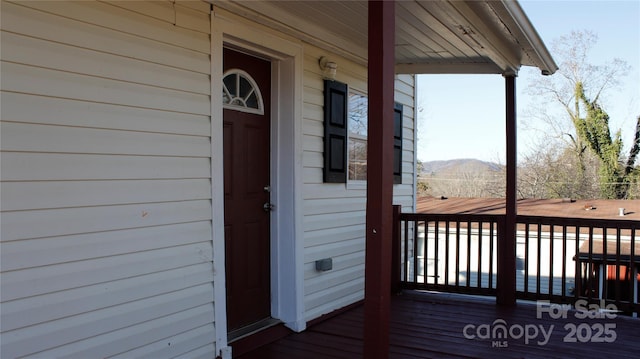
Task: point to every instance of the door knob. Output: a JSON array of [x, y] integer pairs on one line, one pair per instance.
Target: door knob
[[268, 207]]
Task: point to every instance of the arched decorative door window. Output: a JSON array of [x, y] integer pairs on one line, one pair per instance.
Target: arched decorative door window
[[241, 93]]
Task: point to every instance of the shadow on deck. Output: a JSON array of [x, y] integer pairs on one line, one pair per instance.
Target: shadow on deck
[[432, 325]]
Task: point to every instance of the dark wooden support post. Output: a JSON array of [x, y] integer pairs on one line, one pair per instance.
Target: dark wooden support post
[[507, 240], [381, 73], [396, 254]]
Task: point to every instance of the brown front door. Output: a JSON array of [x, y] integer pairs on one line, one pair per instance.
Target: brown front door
[[246, 187]]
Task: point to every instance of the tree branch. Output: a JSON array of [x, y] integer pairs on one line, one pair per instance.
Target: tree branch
[[635, 149]]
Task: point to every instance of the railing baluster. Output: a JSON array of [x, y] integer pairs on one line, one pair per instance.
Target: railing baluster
[[425, 253], [539, 264], [491, 235], [617, 284], [457, 254], [633, 283], [590, 265], [480, 254], [551, 238], [469, 230], [526, 257], [603, 283], [564, 263], [416, 225], [405, 265], [436, 256], [446, 254], [577, 289]]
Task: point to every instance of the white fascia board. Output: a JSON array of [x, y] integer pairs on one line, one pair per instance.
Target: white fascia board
[[546, 63]]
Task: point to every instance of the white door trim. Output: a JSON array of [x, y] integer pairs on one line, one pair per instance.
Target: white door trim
[[287, 262]]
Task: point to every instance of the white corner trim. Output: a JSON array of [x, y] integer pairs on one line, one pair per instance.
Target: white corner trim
[[217, 196], [287, 267], [225, 353]]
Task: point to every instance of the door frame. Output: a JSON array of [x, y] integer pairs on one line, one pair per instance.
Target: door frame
[[287, 246]]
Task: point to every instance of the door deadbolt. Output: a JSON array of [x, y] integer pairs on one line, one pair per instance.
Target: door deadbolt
[[268, 207]]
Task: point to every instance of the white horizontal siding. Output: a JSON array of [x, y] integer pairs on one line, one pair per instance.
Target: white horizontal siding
[[330, 306], [18, 18], [113, 17], [106, 180], [334, 214], [26, 108], [327, 206], [347, 218], [203, 352], [337, 291], [126, 338], [22, 137], [60, 194], [42, 53], [346, 268], [57, 166], [187, 14], [28, 224], [20, 254], [403, 194], [333, 249], [175, 345], [53, 83], [52, 306]]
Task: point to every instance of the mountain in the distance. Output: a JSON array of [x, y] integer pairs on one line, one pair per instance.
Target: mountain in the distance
[[466, 165]]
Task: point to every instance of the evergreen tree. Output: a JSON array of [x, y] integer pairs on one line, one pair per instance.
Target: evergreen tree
[[593, 129]]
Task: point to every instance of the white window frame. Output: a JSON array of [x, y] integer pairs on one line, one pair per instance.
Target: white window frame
[[235, 97], [355, 183]]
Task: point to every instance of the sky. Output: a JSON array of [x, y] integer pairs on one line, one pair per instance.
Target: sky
[[462, 116]]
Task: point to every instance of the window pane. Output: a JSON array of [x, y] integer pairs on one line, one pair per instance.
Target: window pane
[[252, 101], [245, 87], [357, 159], [358, 107], [230, 84], [358, 114]]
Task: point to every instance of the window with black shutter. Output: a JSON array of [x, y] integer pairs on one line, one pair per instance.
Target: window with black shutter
[[397, 144], [345, 135], [335, 132]]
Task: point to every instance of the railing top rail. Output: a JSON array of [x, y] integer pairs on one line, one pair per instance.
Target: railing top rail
[[582, 222], [442, 217], [523, 219]]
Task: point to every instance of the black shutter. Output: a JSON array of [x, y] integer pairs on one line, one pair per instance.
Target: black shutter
[[397, 144], [335, 132]]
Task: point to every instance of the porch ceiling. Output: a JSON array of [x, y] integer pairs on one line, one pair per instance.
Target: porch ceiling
[[431, 36]]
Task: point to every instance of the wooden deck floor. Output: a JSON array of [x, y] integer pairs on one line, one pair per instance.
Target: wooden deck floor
[[431, 325]]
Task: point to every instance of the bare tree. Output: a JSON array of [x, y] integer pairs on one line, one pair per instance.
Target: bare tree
[[464, 183], [550, 172], [578, 88]]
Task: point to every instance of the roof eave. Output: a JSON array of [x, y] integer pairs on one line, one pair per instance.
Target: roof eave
[[543, 57]]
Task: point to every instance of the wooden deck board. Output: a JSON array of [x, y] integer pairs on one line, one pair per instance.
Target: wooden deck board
[[430, 325]]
